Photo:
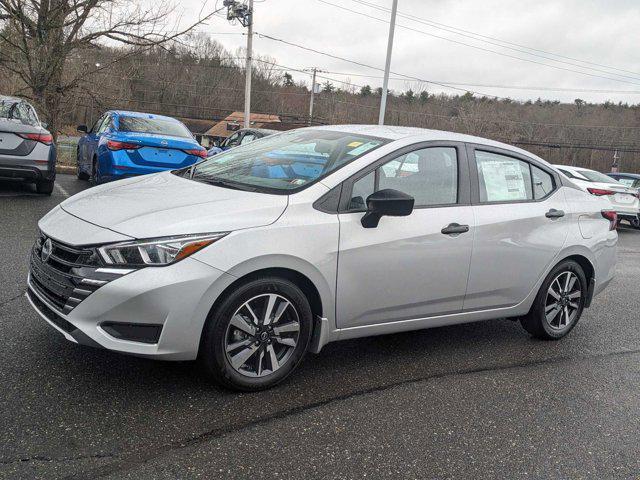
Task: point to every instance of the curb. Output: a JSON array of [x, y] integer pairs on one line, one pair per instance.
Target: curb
[[68, 169]]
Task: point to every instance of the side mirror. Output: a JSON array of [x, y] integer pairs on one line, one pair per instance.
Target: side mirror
[[82, 128], [387, 202]]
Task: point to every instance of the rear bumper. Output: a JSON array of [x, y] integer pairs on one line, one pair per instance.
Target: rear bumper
[[39, 165]]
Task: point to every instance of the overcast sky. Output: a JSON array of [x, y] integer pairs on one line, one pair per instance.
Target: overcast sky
[[602, 32]]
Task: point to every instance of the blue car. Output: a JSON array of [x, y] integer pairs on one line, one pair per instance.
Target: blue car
[[123, 144]]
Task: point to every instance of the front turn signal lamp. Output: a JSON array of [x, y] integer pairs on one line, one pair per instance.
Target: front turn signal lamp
[[157, 251]]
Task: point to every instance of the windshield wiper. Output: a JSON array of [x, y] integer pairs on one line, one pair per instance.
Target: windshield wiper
[[221, 182]]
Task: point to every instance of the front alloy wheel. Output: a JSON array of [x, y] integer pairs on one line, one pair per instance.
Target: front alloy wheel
[[257, 335], [262, 335]]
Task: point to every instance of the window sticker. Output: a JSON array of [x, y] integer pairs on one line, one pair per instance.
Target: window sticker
[[503, 180], [363, 148]]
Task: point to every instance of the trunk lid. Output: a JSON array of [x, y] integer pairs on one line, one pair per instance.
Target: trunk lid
[[156, 150]]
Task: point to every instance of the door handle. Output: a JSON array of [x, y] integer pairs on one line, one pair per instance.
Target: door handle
[[553, 213], [455, 229]]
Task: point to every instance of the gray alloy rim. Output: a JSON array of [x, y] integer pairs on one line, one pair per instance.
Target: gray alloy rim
[[262, 335], [563, 301]]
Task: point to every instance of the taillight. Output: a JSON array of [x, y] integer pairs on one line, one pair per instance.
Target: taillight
[[114, 145], [45, 138], [600, 191], [612, 217], [198, 152]]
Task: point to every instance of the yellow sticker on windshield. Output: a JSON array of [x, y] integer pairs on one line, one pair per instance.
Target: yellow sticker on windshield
[[354, 144]]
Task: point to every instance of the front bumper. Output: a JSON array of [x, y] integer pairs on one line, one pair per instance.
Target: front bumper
[[175, 299]]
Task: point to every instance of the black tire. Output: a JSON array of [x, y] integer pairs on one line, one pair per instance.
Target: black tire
[[82, 175], [635, 223], [213, 353], [45, 187], [93, 178], [536, 323]]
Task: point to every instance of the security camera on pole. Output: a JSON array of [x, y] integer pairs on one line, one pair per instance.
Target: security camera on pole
[[244, 14]]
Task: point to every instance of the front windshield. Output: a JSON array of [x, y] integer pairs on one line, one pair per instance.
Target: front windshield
[[594, 176], [286, 161]]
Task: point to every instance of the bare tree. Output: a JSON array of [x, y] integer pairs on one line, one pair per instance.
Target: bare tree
[[38, 37]]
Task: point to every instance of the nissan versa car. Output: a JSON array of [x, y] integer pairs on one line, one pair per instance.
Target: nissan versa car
[[124, 144], [259, 254], [27, 151]]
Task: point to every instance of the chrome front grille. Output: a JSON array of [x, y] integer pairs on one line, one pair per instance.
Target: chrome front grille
[[65, 275]]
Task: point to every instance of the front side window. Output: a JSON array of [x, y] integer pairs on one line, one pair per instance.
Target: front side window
[[429, 175], [248, 137], [233, 140], [285, 162], [502, 178], [158, 126], [104, 125]]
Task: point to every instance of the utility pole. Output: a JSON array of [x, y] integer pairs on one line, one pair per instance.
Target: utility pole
[[244, 14], [385, 84], [314, 70], [615, 168]]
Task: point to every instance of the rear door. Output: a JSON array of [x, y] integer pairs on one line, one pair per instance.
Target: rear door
[[521, 225], [406, 267]]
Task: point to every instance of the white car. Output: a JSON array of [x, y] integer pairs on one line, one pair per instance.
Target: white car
[[625, 200], [261, 253]]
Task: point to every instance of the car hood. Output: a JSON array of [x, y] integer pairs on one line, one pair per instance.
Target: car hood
[[165, 204]]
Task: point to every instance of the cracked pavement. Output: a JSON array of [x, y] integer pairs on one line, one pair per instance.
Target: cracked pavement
[[479, 400]]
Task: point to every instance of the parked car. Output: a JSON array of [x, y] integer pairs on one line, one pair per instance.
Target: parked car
[[253, 257], [631, 180], [625, 200], [124, 144], [27, 151], [240, 137]]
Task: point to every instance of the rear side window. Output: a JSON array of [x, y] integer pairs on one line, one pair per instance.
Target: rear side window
[[159, 126], [543, 183], [502, 178]]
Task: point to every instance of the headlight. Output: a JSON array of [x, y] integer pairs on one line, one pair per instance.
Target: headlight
[[156, 251]]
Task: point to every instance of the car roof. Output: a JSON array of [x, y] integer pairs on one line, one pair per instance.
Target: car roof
[[7, 99], [128, 113], [420, 134]]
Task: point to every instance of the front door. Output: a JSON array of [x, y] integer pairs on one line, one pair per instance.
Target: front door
[[407, 267]]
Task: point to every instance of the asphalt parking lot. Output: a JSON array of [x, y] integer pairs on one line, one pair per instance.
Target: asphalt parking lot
[[480, 400]]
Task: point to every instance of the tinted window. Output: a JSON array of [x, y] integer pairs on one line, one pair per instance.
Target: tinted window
[[158, 126], [429, 175], [542, 182], [502, 178], [567, 173]]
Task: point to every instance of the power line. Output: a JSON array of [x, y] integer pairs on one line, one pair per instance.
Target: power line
[[508, 45], [557, 67], [410, 77]]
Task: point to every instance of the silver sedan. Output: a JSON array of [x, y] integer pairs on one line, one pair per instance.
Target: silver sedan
[[257, 255]]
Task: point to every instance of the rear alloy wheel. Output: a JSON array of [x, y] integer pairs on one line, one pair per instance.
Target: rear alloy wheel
[[559, 303], [258, 334]]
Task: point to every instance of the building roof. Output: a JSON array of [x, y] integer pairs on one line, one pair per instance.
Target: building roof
[[258, 120]]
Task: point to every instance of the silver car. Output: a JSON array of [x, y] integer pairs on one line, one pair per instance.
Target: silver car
[[253, 257], [26, 149]]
